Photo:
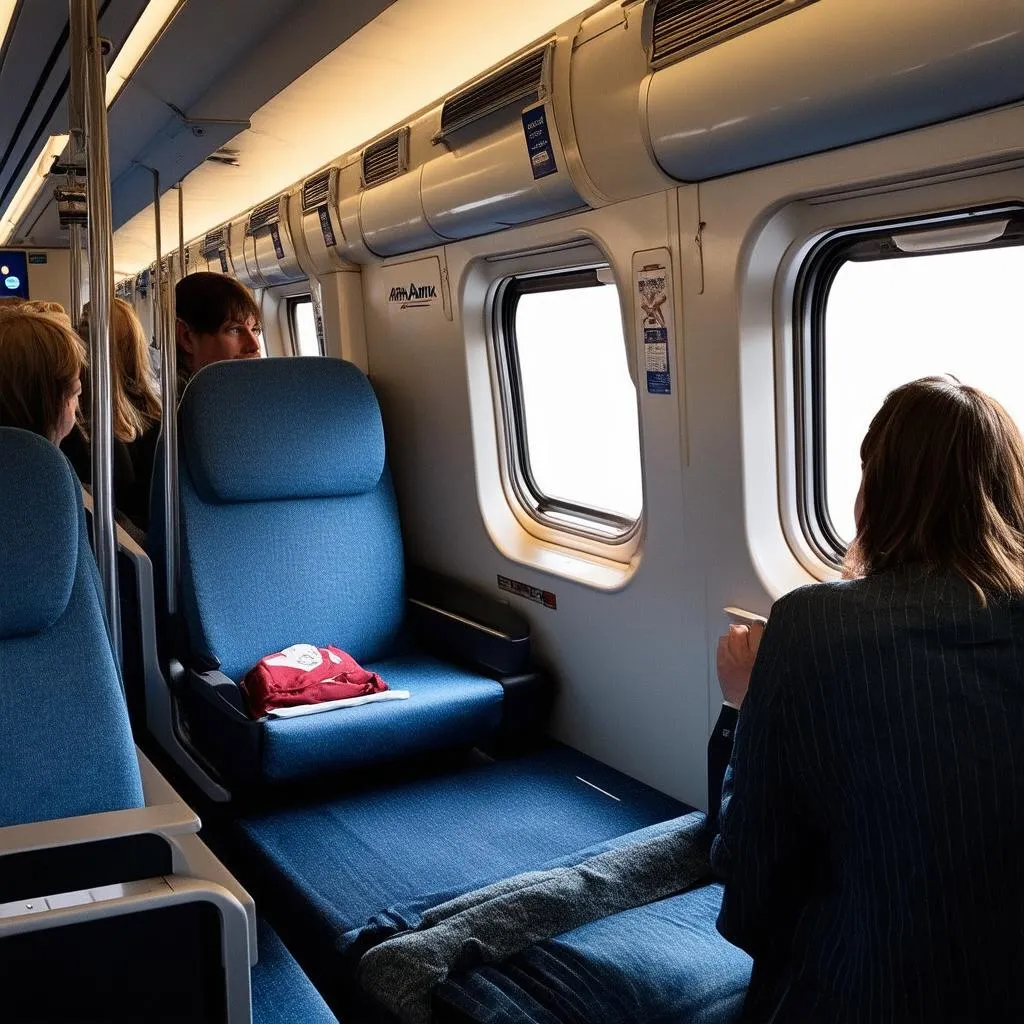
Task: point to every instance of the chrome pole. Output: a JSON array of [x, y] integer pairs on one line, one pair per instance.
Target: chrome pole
[[85, 38], [77, 91], [168, 414]]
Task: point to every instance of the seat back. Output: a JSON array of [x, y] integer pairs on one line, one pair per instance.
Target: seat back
[[289, 527], [65, 742]]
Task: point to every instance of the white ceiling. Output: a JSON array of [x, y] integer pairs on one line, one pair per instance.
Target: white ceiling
[[406, 58]]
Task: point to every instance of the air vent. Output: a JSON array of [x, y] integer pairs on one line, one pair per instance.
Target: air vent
[[682, 28], [386, 159], [316, 191], [265, 215], [214, 243], [519, 82]]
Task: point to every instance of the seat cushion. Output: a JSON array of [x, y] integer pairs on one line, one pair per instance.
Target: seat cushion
[[661, 962], [447, 707], [329, 866], [281, 993]]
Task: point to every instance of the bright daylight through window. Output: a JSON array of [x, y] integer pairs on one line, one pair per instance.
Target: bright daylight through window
[[575, 406], [889, 321], [304, 335]]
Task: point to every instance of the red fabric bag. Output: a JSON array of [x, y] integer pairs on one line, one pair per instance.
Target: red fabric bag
[[304, 674]]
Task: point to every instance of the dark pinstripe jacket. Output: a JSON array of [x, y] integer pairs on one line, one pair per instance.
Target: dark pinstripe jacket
[[872, 825]]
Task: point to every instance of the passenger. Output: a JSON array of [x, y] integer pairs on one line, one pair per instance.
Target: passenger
[[11, 302], [871, 823], [135, 404], [43, 306], [41, 362], [218, 319]]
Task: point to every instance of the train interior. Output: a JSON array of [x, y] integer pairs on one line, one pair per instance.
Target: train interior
[[561, 306]]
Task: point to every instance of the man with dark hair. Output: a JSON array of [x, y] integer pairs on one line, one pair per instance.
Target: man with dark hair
[[217, 319]]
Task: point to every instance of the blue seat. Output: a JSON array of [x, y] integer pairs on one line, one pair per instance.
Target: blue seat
[[66, 751], [290, 534], [58, 677]]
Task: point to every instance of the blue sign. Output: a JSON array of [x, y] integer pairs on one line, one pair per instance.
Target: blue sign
[[275, 236], [326, 227], [13, 275], [538, 143]]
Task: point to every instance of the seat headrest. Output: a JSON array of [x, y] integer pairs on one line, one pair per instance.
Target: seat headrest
[[277, 429], [40, 502]]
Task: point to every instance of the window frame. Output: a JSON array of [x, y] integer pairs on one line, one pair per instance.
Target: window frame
[[564, 516], [293, 302], [864, 243]]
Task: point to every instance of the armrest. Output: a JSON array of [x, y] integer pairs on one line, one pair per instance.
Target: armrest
[[466, 625], [33, 937], [165, 820]]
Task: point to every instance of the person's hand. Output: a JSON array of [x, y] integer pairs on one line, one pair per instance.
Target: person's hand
[[737, 651]]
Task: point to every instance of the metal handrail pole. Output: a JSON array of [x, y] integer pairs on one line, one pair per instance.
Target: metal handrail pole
[[169, 409], [85, 38]]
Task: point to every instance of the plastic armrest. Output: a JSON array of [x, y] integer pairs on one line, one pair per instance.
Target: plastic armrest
[[136, 897], [459, 622]]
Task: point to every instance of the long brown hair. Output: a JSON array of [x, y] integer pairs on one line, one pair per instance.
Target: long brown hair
[[40, 360], [943, 487], [134, 396]]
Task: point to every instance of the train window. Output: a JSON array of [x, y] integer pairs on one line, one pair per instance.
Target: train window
[[305, 339], [888, 306], [572, 429]]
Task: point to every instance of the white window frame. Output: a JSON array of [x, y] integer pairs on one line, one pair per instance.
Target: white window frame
[[619, 552]]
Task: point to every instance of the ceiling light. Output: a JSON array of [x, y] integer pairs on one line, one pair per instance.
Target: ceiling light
[[153, 20], [30, 186]]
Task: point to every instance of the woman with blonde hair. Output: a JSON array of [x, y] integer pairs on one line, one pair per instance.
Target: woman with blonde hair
[[873, 812], [135, 404], [41, 362]]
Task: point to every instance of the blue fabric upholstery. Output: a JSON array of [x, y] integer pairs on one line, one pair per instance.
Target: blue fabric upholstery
[[281, 993], [290, 534], [328, 867], [65, 742], [662, 962], [447, 707], [336, 449], [39, 536], [258, 577]]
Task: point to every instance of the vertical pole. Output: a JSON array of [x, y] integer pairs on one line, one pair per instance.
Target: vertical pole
[[77, 92], [169, 411], [85, 39]]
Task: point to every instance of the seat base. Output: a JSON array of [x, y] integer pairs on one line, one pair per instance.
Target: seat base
[[322, 869]]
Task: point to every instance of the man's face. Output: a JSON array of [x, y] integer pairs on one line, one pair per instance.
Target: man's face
[[235, 339]]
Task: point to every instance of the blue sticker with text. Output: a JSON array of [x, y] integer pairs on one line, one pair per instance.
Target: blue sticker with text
[[652, 293], [538, 143], [275, 236], [326, 227]]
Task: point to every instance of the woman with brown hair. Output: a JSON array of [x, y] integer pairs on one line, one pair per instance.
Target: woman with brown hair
[[41, 362], [135, 404], [873, 813]]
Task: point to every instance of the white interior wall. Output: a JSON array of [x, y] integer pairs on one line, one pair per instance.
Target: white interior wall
[[634, 663], [50, 281]]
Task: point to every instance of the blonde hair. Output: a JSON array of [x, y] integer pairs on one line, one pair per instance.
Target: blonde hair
[[943, 487], [42, 306], [134, 396], [40, 360]]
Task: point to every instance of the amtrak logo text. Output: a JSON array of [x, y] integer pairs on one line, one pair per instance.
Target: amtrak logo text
[[414, 296]]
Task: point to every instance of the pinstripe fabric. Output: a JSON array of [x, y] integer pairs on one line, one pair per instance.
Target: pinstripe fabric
[[873, 814]]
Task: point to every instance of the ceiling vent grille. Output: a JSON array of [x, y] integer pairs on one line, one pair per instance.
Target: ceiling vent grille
[[519, 82], [316, 191], [386, 159], [214, 243], [265, 215], [681, 28]]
